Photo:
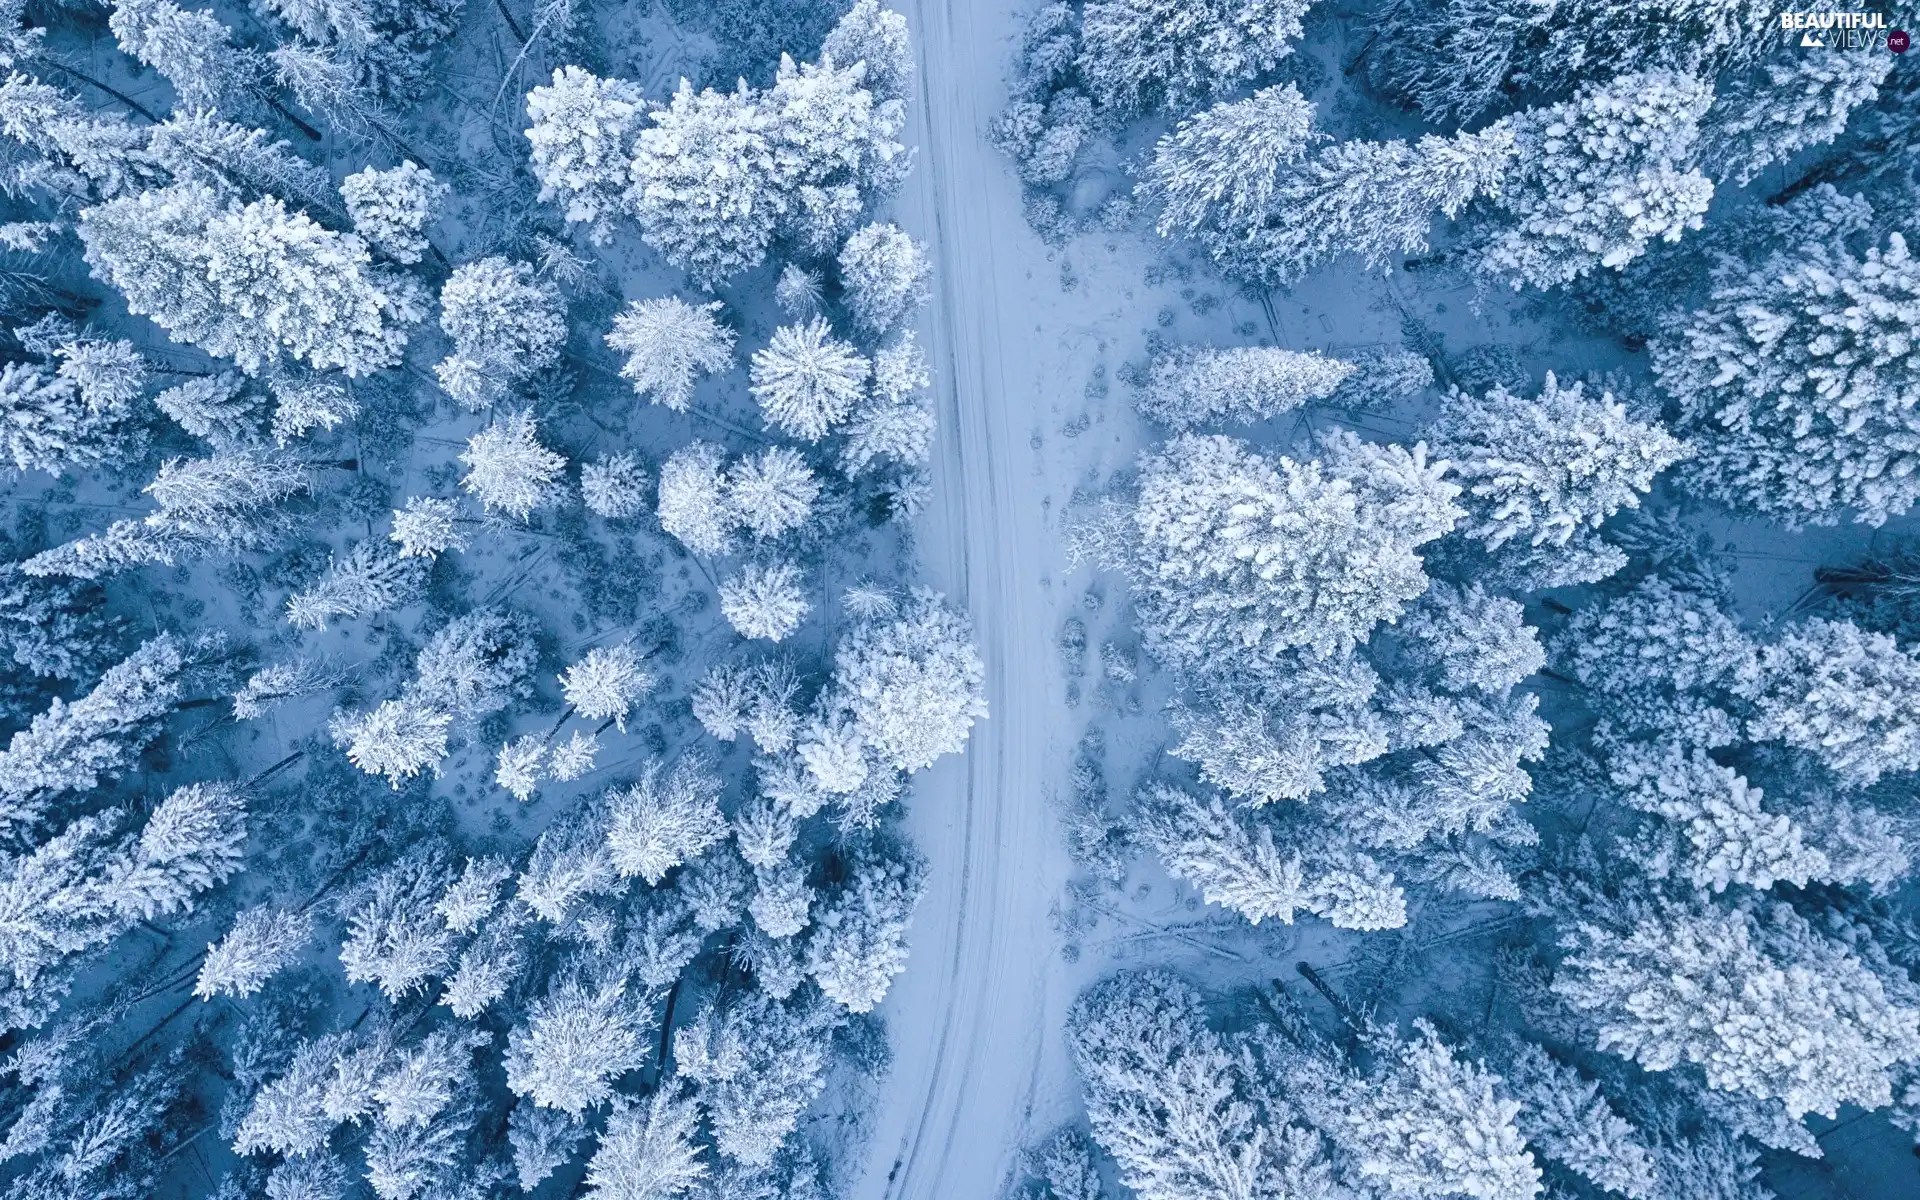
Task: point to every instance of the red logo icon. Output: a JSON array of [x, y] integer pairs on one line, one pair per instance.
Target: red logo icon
[[1898, 41]]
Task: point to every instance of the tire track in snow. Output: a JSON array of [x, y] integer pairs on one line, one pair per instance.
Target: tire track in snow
[[969, 1017]]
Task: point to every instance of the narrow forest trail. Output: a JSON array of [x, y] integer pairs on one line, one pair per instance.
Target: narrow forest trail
[[969, 1018]]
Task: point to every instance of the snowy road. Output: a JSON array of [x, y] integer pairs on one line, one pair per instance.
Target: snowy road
[[970, 1018]]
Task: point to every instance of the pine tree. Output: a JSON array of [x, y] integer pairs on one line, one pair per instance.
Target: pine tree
[[607, 683], [1373, 200], [1138, 55], [371, 579], [286, 1116], [764, 600], [582, 133], [1163, 1096], [311, 292], [238, 162], [615, 487], [885, 275], [1567, 1121], [669, 344], [772, 492], [103, 149], [648, 1151], [1199, 385], [665, 819], [1233, 861], [427, 527], [217, 409], [1428, 1123], [391, 209], [1215, 177], [191, 49], [576, 1041], [477, 664], [395, 938], [1794, 381], [1545, 473], [71, 747], [1755, 996], [1844, 696], [1233, 553], [543, 1140], [262, 942], [914, 684], [692, 504], [473, 897], [47, 425], [703, 183], [1599, 177], [861, 940], [896, 420], [303, 403], [191, 841], [874, 38], [808, 381], [1784, 106], [399, 739], [506, 323], [757, 1065], [56, 628], [509, 470], [1470, 640]]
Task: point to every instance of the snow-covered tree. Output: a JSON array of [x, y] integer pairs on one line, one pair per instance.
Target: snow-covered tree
[[395, 935], [509, 470], [614, 487], [1198, 385], [1542, 474], [47, 424], [885, 275], [1784, 106], [427, 527], [506, 323], [370, 579], [520, 764], [477, 663], [1175, 54], [781, 901], [582, 133], [215, 408], [665, 819], [399, 739], [772, 492], [1164, 1097], [1843, 695], [703, 183], [913, 682], [473, 896], [1567, 1121], [861, 942], [764, 600], [756, 1066], [72, 746], [692, 504], [896, 420], [254, 283], [874, 38], [669, 344], [1236, 554], [392, 208], [648, 1149], [808, 381], [607, 683], [1426, 1122], [191, 49], [1598, 178], [1794, 382], [1756, 997], [1470, 640], [576, 1041], [1215, 176]]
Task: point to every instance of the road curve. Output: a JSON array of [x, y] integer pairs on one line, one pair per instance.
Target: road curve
[[969, 1018]]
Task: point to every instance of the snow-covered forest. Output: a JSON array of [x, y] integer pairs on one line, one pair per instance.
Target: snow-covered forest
[[791, 600]]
